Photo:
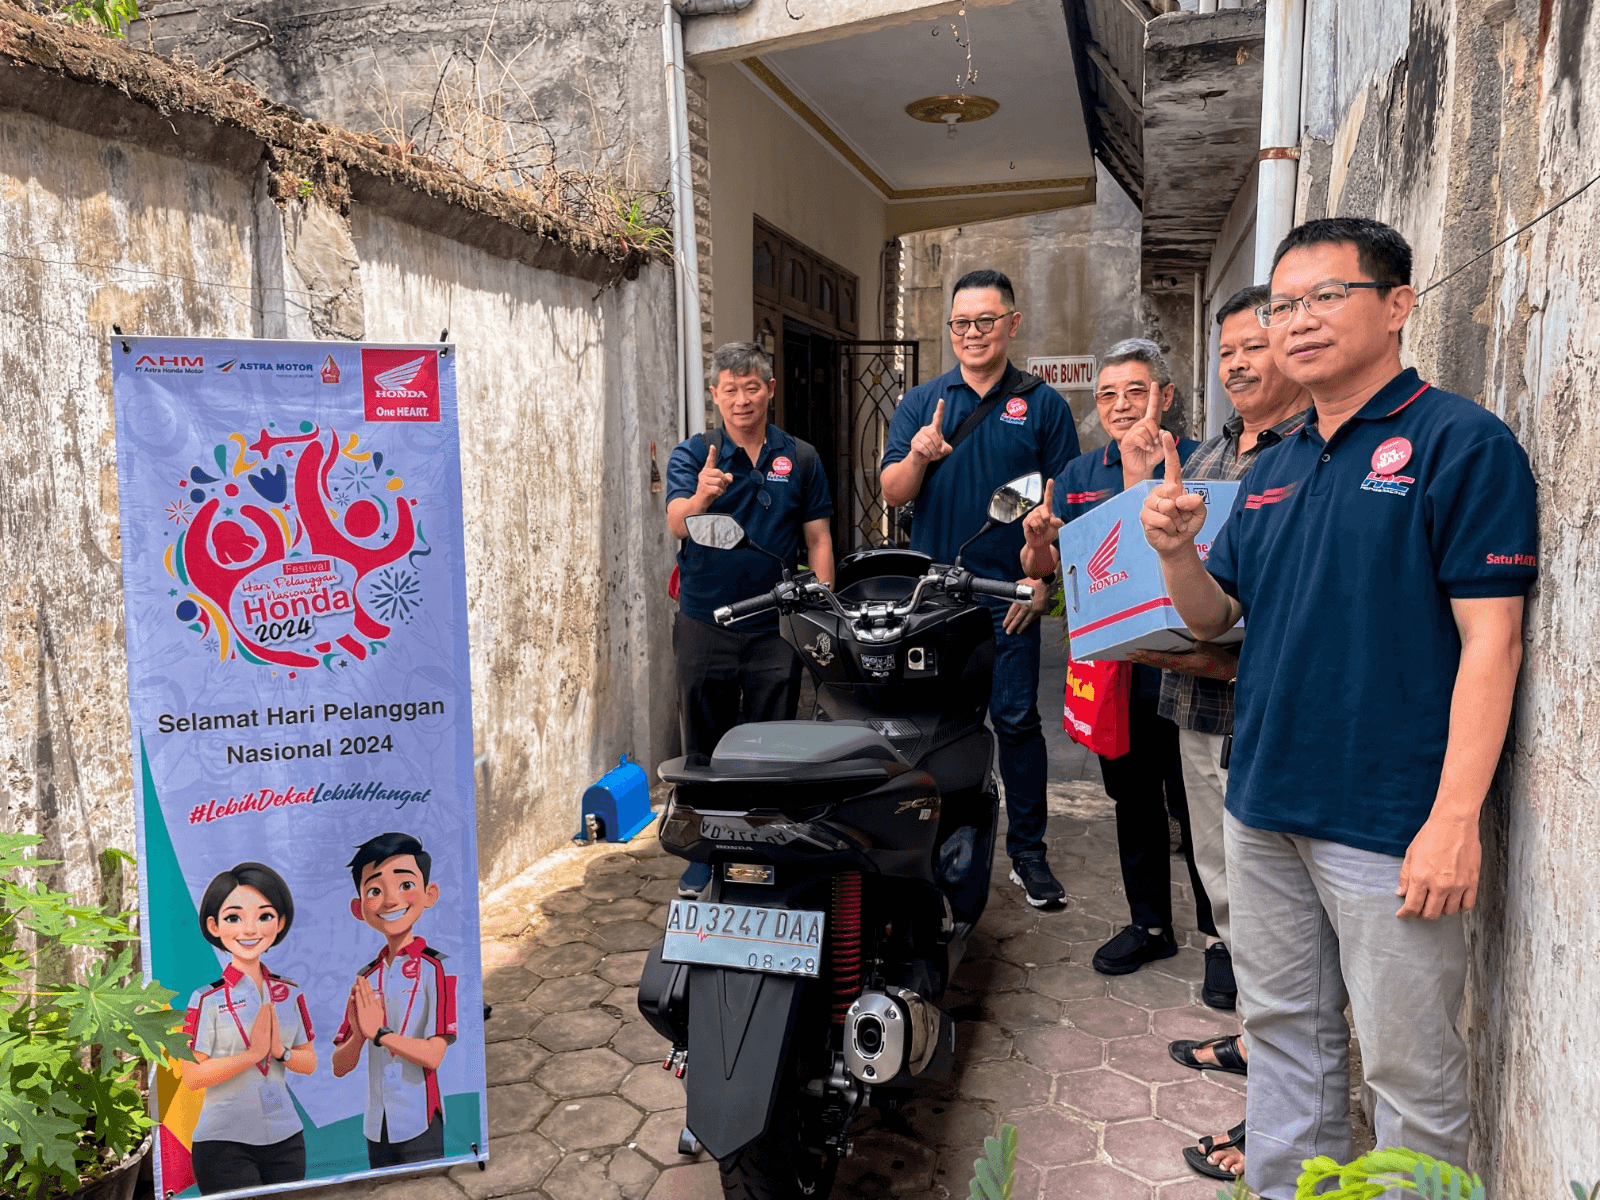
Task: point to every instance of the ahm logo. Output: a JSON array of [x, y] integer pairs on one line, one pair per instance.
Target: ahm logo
[[1099, 564], [393, 383]]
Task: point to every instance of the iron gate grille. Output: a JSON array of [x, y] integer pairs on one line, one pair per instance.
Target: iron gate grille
[[873, 378]]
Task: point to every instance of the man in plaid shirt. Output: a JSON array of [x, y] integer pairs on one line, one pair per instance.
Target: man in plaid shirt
[[1197, 687]]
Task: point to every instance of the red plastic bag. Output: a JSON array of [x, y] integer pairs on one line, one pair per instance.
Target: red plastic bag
[[1095, 713], [672, 584]]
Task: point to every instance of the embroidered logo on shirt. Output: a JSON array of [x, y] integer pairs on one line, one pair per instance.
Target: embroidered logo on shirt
[[409, 968], [1390, 485], [1270, 496], [781, 467], [1391, 456], [279, 992], [1016, 412], [1099, 564], [1511, 560]]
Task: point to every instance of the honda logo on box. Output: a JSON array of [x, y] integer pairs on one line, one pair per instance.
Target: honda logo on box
[[400, 385], [1099, 564]]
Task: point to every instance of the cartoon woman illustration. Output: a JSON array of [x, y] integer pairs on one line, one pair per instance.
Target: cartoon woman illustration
[[246, 1030]]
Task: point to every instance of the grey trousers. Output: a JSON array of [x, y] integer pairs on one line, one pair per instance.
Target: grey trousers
[[1207, 784], [1316, 929]]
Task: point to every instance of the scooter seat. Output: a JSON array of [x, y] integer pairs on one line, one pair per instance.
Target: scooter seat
[[805, 743]]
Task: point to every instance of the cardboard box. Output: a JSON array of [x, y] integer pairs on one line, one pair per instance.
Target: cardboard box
[[1116, 598]]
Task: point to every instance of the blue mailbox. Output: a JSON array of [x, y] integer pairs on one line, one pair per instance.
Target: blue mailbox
[[617, 805]]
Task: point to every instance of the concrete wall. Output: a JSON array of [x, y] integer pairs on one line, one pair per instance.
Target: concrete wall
[[567, 559], [1458, 124], [764, 163]]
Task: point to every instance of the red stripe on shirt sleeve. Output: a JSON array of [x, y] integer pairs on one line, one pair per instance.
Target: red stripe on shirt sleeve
[[305, 1017], [191, 1024], [446, 1016]]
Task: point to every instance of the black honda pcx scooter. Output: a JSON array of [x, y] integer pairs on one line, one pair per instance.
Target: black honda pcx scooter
[[850, 861]]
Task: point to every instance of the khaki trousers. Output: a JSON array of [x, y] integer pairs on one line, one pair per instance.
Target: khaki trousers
[[1206, 783]]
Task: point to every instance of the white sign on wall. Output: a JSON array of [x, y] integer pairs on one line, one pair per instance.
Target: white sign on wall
[[1061, 373]]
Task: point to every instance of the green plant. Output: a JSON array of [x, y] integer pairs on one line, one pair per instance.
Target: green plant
[[71, 1054], [113, 16], [1579, 1194], [991, 1175], [1383, 1172]]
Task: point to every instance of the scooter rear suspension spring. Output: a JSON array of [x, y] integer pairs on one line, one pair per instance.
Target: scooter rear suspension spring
[[845, 967]]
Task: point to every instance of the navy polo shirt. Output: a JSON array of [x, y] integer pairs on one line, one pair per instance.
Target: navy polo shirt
[[1032, 432], [769, 498], [1345, 556], [1088, 482]]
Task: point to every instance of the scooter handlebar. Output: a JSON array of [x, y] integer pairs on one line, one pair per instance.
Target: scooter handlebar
[[729, 613], [1018, 593]]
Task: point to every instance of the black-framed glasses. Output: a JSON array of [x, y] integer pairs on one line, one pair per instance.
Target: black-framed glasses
[[983, 325], [1328, 296]]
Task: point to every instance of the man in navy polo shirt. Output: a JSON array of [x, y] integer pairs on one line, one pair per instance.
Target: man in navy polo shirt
[[1030, 428], [1132, 392], [774, 485], [1380, 556]]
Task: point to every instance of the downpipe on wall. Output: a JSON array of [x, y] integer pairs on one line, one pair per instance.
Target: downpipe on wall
[[1280, 129]]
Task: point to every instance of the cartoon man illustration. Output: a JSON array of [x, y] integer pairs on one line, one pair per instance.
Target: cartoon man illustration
[[402, 1003]]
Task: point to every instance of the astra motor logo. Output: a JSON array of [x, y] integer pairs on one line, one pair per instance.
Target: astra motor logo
[[282, 370], [1099, 565], [400, 385]]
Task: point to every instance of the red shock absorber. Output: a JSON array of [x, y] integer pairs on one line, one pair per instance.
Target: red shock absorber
[[846, 943]]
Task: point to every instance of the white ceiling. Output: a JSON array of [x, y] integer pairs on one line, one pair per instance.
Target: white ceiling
[[860, 86]]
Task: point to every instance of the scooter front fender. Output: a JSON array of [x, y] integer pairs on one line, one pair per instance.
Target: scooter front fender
[[741, 1025]]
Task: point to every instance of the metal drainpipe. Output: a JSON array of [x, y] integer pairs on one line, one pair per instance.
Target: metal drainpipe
[[1280, 129]]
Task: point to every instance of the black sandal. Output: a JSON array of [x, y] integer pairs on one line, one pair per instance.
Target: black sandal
[[1199, 1158], [1225, 1049]]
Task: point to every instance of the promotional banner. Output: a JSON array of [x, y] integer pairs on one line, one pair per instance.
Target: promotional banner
[[296, 618]]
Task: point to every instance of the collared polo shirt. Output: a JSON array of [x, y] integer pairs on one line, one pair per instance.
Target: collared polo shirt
[[1345, 556], [1194, 701], [419, 1001], [254, 1106], [1088, 482], [1031, 432], [769, 498]]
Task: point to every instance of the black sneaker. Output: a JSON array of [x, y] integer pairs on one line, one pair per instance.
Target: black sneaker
[[1132, 948], [1219, 989], [1033, 876]]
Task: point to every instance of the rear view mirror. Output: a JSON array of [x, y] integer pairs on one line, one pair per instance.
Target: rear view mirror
[[715, 530], [1013, 501]]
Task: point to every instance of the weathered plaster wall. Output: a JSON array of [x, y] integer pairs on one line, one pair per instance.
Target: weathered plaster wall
[[563, 384], [1482, 115]]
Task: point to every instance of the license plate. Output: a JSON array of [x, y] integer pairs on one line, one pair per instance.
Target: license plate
[[783, 941]]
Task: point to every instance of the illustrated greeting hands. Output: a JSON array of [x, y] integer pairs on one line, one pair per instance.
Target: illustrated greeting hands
[[712, 481], [368, 1009], [263, 1031], [1172, 518], [928, 444], [1141, 446]]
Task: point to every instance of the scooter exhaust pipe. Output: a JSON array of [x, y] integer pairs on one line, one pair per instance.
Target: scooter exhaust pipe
[[889, 1032]]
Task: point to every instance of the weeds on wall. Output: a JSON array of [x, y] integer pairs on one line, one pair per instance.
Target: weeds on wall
[[479, 120], [109, 16]]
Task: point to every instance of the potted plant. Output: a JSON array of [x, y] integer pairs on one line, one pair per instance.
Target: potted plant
[[74, 1055]]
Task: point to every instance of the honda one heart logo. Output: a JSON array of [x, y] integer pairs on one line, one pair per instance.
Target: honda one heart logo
[[1391, 456], [1099, 564]]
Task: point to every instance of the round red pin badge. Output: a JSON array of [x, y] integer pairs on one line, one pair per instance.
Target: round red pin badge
[[781, 465], [1016, 407], [279, 992], [1391, 456]]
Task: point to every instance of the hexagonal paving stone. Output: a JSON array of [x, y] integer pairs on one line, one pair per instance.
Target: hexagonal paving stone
[[632, 1172], [1191, 1189], [1199, 1106], [1145, 1057], [1050, 1137], [652, 1088], [630, 909], [1103, 1095], [513, 1061], [622, 969], [515, 1164], [516, 1108], [567, 902], [626, 935], [593, 1072], [699, 1181], [988, 975], [1033, 948], [575, 958], [609, 863], [1107, 1018], [508, 984], [576, 1030], [1152, 989], [582, 1174], [1067, 981], [1059, 1048], [1019, 1010], [1091, 1179], [981, 1041], [661, 891], [624, 999], [591, 1123], [1188, 963], [1008, 920], [614, 886], [658, 1138], [904, 1167], [953, 1123], [568, 992], [557, 931], [1077, 926], [1009, 1084], [1151, 1150], [639, 1043], [1194, 1023], [509, 1021]]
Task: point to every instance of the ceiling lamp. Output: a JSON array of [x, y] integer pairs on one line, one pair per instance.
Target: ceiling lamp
[[951, 111]]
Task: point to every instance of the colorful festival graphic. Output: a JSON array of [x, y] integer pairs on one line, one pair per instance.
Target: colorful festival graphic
[[294, 582]]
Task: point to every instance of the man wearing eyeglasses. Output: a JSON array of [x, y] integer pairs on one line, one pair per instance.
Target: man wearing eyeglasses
[[773, 484], [1380, 555], [950, 469]]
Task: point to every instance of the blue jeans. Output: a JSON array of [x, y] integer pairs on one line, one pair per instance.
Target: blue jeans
[[1014, 713]]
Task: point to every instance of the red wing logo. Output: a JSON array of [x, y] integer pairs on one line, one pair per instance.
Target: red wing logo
[[279, 992], [400, 385], [1099, 564]]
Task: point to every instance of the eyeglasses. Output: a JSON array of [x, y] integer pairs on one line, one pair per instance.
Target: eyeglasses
[[1328, 296], [985, 325]]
